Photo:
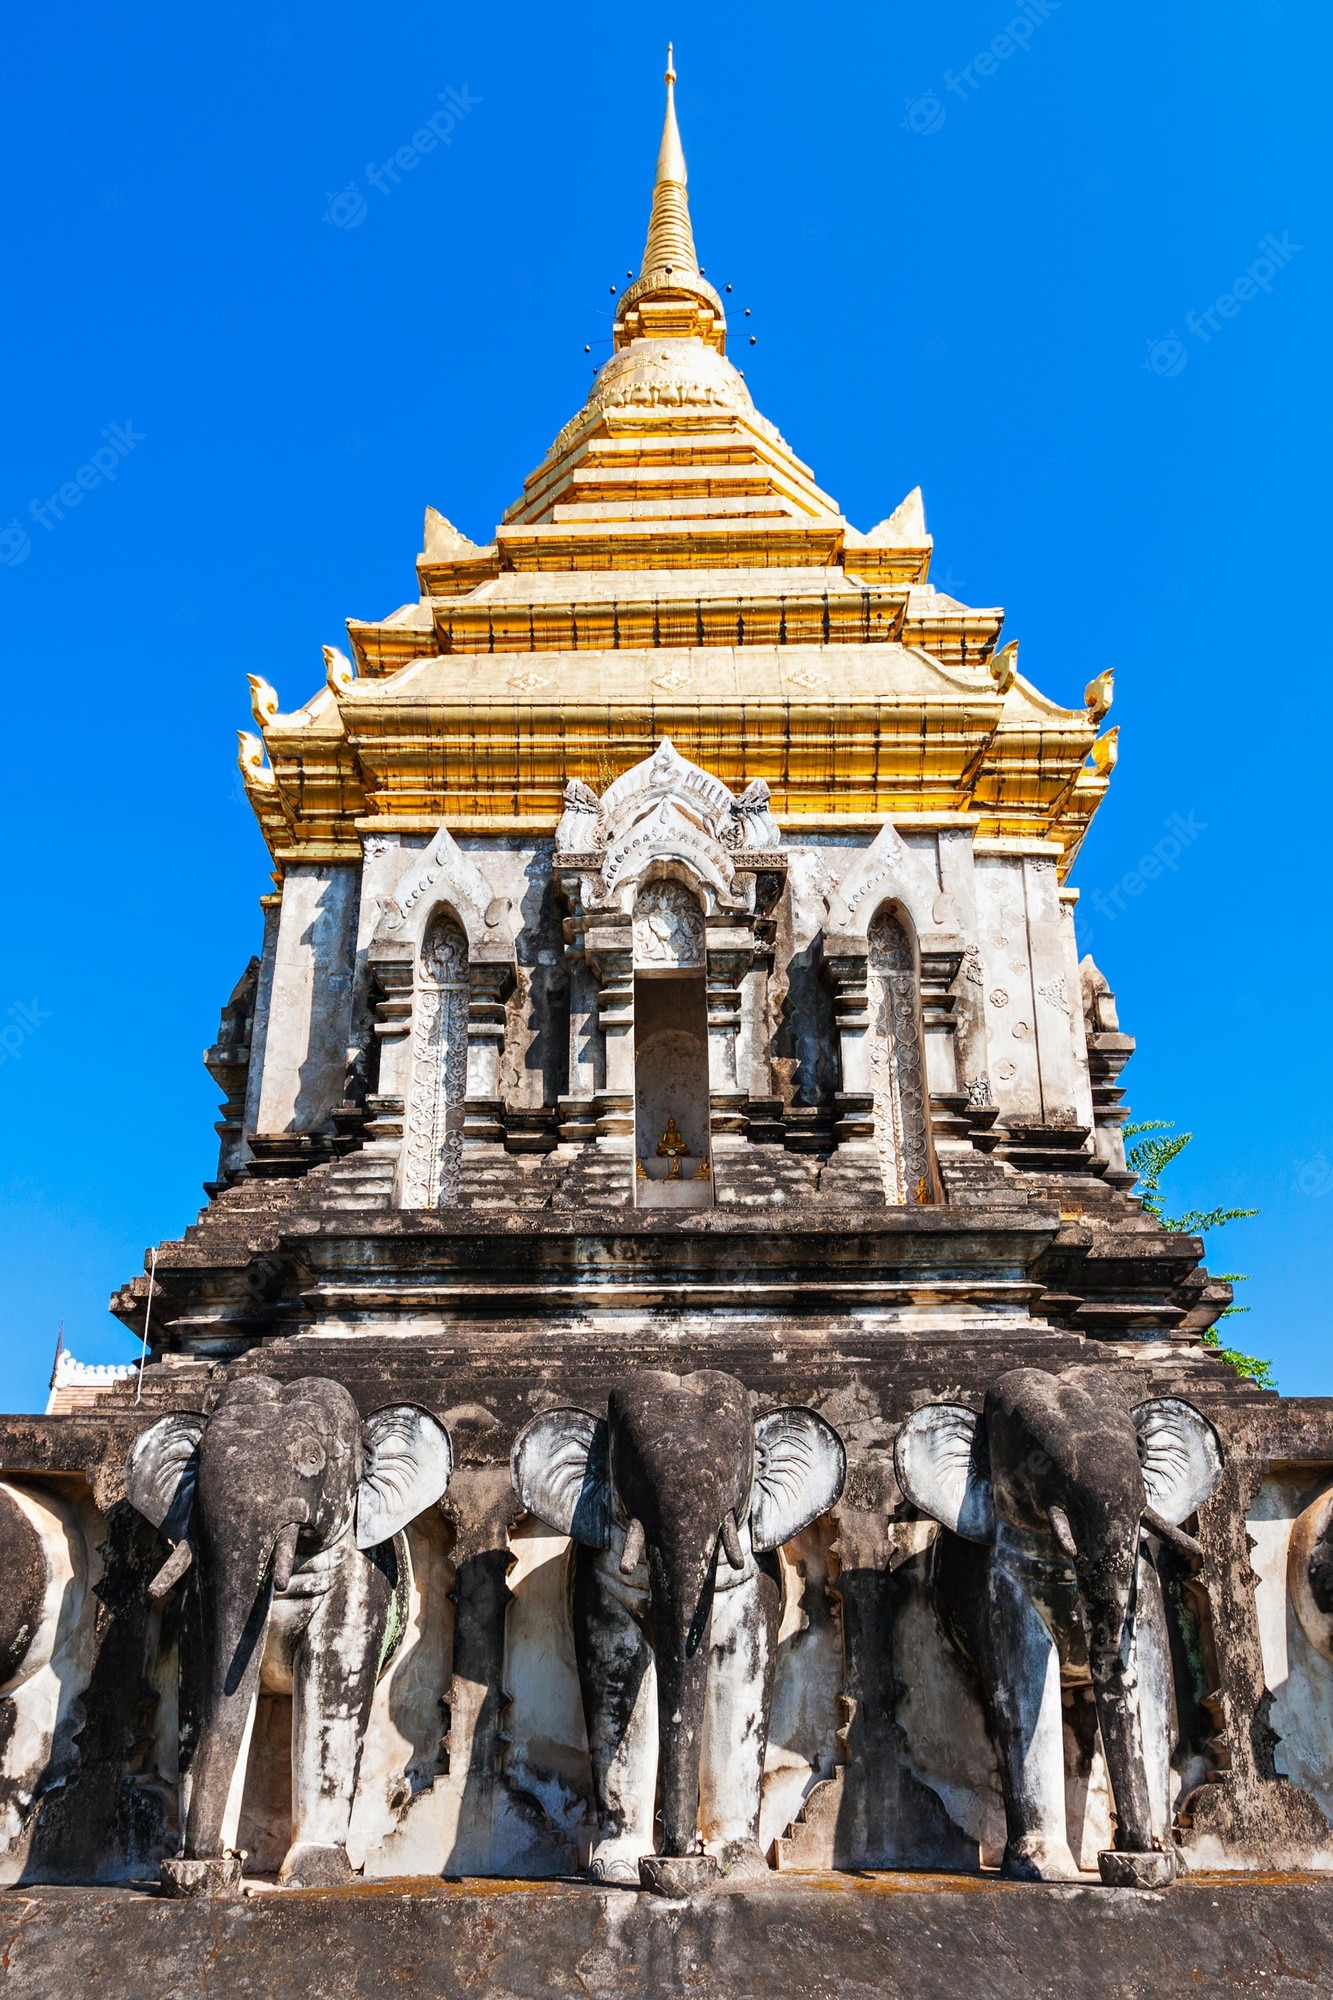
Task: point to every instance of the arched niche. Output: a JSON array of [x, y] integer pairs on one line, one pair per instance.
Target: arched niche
[[897, 1061], [672, 1150], [433, 1139]]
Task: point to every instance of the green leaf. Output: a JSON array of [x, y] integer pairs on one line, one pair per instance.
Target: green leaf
[[1246, 1366], [1197, 1221], [1149, 1161]]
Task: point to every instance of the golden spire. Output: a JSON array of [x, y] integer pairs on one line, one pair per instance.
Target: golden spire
[[671, 296], [670, 245]]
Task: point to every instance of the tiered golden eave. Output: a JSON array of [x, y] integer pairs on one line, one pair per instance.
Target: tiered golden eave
[[673, 569]]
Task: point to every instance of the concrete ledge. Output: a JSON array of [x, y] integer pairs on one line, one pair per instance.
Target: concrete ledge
[[893, 1937]]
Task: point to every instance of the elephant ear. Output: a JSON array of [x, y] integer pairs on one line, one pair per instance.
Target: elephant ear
[[799, 1468], [160, 1472], [943, 1467], [1180, 1455], [408, 1460], [562, 1474]]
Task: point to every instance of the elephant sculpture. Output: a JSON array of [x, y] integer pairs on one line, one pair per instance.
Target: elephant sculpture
[[291, 1512], [1043, 1583], [674, 1501], [44, 1562]]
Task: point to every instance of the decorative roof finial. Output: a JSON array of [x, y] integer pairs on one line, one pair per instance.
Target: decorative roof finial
[[670, 299], [670, 245]]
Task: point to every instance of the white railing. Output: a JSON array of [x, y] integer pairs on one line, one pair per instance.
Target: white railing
[[72, 1374]]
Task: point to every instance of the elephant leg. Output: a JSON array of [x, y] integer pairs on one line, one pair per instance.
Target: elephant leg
[[618, 1678], [736, 1712], [333, 1685], [1022, 1686], [1113, 1657], [1157, 1701], [1115, 1667]]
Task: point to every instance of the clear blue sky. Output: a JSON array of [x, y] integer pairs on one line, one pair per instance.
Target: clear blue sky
[[983, 277]]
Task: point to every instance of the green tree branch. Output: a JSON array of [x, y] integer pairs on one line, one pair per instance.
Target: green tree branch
[[1149, 1160]]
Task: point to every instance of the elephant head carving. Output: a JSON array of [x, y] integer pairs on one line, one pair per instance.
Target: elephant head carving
[[288, 1507], [1055, 1480], [942, 1459], [780, 1473], [670, 1496]]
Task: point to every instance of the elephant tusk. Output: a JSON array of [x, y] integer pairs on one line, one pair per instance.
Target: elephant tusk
[[1168, 1531], [172, 1570], [1064, 1534], [731, 1542], [632, 1553], [284, 1557]]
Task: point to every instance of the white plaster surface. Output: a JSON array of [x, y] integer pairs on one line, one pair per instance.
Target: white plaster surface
[[1009, 1003], [40, 1750], [1299, 1678], [310, 1017]]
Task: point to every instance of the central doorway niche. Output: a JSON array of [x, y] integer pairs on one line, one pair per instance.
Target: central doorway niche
[[672, 1153]]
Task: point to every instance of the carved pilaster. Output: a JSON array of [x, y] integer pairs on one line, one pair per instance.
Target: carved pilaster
[[392, 976], [610, 949], [729, 955], [228, 1063], [847, 968], [1108, 1052], [950, 1122], [483, 1111]]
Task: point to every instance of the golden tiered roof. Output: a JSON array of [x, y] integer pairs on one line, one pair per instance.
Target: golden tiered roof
[[673, 569]]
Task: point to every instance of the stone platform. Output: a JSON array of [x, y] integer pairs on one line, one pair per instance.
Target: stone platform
[[893, 1936]]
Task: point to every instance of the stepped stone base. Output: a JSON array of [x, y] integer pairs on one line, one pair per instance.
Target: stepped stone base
[[893, 1937]]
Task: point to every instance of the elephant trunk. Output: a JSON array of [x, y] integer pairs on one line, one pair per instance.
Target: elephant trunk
[[682, 1613], [1109, 1592], [237, 1580]]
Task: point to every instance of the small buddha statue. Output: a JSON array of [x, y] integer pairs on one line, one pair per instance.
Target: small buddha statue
[[671, 1146]]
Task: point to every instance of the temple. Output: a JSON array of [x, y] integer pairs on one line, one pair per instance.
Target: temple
[[669, 967]]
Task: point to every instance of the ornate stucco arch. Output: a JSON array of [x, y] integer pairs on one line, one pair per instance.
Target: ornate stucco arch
[[444, 876], [899, 1091], [443, 960], [664, 820], [889, 871]]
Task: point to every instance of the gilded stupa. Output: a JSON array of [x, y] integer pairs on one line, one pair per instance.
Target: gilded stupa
[[673, 569]]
